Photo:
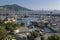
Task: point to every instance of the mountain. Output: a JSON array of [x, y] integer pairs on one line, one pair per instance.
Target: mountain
[[19, 9], [15, 7]]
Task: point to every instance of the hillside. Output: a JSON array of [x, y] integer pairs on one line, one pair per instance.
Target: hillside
[[15, 7]]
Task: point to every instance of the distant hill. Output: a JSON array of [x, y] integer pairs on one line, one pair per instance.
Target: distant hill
[[19, 9], [15, 7]]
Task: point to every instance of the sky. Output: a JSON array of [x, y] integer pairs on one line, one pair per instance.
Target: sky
[[34, 4]]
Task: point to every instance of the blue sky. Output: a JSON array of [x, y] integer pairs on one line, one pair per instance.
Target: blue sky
[[34, 4]]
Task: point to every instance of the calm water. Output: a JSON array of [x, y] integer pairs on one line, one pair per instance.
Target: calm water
[[27, 20]]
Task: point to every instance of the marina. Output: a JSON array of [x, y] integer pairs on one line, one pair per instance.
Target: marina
[[20, 23], [52, 19]]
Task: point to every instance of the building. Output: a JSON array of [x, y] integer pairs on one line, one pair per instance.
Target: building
[[9, 19]]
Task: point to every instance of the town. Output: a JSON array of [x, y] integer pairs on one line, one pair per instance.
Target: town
[[33, 20], [44, 24]]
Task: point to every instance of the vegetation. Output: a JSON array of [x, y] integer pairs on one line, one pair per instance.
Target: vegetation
[[53, 37], [6, 29], [3, 33], [9, 37], [35, 34], [11, 26], [42, 38]]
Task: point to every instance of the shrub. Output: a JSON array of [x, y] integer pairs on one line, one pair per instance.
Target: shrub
[[3, 33], [53, 37], [35, 34]]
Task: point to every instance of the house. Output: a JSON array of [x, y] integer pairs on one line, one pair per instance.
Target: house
[[9, 19]]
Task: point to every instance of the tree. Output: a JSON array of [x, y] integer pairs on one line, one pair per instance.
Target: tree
[[35, 34], [53, 37], [7, 28], [11, 26], [3, 33]]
